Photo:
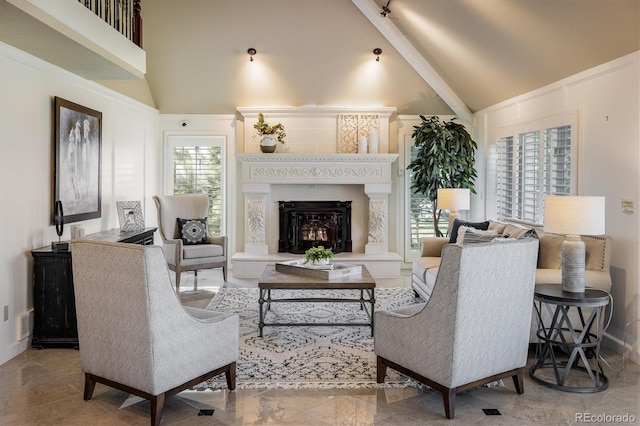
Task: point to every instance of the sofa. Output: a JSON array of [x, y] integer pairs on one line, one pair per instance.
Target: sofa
[[549, 262]]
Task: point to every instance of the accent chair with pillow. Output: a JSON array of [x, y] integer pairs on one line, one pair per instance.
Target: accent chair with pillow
[[182, 220], [473, 330], [134, 334]]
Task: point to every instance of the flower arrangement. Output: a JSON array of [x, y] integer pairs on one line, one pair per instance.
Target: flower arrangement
[[315, 254], [264, 128]]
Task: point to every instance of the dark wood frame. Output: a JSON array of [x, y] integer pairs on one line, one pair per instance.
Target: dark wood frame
[[449, 394], [157, 401], [77, 167]]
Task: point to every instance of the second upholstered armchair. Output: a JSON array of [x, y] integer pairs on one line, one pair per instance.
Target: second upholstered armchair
[[474, 329], [187, 243]]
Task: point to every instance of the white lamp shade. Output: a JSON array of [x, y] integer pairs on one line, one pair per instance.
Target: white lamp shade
[[454, 198], [574, 215]]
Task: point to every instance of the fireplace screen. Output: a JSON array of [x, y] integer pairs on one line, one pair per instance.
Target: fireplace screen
[[306, 224]]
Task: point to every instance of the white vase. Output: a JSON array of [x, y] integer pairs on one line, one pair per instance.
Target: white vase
[[373, 142], [268, 143]]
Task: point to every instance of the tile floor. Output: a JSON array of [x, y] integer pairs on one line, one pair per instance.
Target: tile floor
[[44, 387]]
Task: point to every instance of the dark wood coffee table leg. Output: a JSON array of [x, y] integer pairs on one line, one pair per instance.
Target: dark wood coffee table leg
[[261, 305], [373, 304]]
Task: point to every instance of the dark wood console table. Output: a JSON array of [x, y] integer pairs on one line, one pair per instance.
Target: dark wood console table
[[54, 305]]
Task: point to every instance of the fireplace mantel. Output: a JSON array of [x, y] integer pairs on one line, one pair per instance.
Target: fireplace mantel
[[261, 171], [317, 168]]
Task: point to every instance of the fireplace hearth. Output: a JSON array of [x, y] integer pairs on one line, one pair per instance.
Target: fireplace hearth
[[306, 224]]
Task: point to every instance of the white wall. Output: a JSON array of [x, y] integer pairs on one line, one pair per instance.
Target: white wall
[[606, 100], [129, 169]]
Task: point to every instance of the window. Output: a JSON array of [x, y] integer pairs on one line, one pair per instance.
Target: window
[[531, 164], [421, 215], [196, 166]]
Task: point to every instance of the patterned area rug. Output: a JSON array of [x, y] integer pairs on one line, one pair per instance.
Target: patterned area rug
[[306, 357]]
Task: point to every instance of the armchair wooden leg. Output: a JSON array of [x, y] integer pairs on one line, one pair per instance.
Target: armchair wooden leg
[[381, 370], [224, 273], [195, 279], [89, 386], [518, 381], [178, 280], [157, 403], [449, 397], [231, 376]]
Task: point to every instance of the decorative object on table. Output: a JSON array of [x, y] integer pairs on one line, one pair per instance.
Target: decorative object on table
[[77, 166], [362, 145], [327, 272], [435, 167], [318, 256], [58, 220], [270, 134], [453, 199], [373, 142], [77, 231], [574, 216], [130, 215]]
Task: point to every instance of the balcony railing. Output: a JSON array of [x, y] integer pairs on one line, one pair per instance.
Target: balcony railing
[[123, 15]]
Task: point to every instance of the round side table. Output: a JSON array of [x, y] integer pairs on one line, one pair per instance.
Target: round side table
[[558, 335]]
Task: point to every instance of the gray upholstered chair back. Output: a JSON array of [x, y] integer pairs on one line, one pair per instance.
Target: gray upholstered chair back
[[171, 207], [475, 326], [132, 328]]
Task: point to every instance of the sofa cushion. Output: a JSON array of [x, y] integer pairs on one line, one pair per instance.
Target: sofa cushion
[[420, 266], [494, 225], [597, 254], [202, 250], [550, 253], [453, 232]]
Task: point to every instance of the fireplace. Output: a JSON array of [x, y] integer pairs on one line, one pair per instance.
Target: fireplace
[[306, 224]]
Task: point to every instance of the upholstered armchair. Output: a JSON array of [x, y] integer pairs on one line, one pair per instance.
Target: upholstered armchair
[[473, 330], [134, 334], [207, 253]]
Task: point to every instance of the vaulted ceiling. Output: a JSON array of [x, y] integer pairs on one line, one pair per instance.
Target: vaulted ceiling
[[319, 52]]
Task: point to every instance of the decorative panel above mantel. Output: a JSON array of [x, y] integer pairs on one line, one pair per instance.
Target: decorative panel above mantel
[[316, 168], [319, 129]]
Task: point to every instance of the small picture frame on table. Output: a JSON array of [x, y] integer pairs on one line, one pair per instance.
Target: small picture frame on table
[[130, 216]]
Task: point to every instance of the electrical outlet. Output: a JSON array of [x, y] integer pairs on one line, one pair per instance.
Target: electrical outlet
[[6, 312], [627, 205]]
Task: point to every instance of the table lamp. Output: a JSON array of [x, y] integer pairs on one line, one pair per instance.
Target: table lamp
[[573, 216], [454, 199]]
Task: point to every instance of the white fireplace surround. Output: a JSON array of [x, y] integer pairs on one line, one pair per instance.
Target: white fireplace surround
[[261, 171]]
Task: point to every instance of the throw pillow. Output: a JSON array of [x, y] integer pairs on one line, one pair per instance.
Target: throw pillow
[[468, 235], [531, 233], [193, 231], [453, 232]]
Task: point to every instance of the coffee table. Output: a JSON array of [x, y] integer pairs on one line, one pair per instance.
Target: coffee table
[[275, 280]]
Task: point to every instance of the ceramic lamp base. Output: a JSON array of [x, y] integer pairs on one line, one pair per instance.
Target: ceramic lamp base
[[573, 264]]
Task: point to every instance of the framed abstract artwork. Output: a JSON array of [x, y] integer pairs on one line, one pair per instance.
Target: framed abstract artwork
[[130, 216], [77, 166]]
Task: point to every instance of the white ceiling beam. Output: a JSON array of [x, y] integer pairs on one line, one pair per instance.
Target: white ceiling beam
[[372, 11]]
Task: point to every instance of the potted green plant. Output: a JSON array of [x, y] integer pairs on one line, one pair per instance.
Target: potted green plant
[[270, 134], [445, 158], [318, 255]]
